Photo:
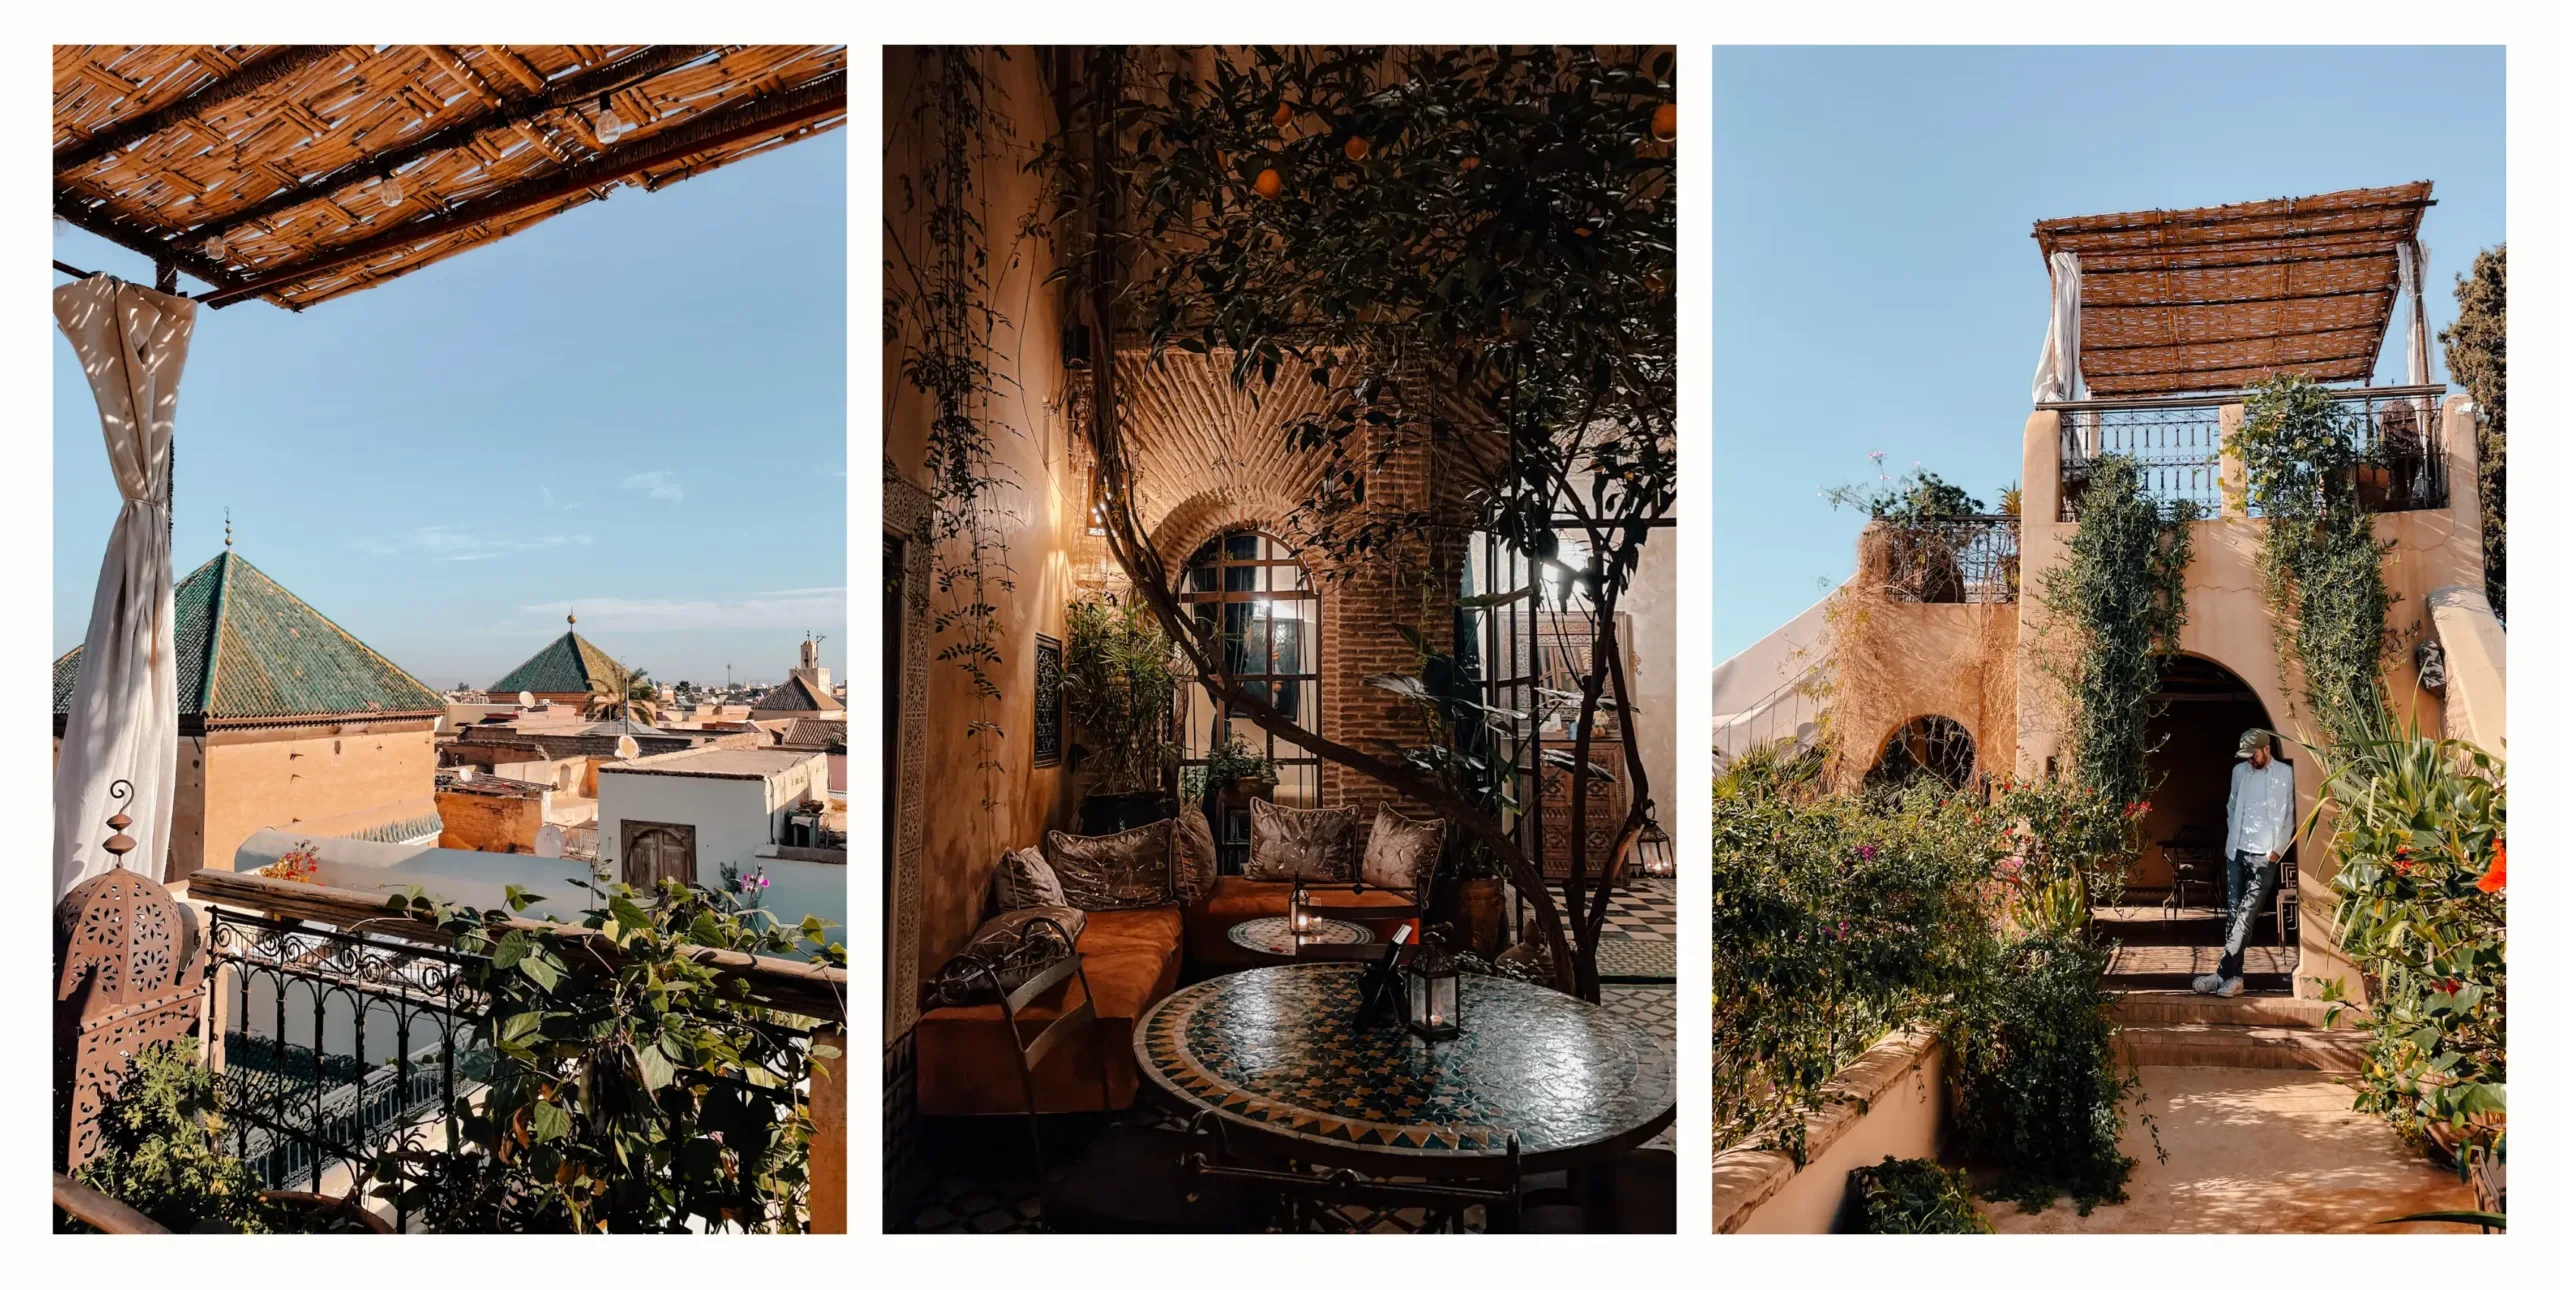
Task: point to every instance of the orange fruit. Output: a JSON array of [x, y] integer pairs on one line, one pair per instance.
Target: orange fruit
[[1470, 163], [1356, 149], [1280, 117], [1664, 118], [1582, 232], [1268, 182]]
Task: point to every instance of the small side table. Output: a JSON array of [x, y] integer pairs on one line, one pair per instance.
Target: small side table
[[1268, 939]]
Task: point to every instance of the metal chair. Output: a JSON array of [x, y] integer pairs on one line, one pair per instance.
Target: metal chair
[[1129, 1179], [2191, 864], [1307, 1195], [1637, 1193], [2288, 894]]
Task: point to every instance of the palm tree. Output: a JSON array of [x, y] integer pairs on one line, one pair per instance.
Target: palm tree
[[631, 697]]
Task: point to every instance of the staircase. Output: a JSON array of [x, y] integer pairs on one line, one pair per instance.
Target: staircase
[[2164, 1022]]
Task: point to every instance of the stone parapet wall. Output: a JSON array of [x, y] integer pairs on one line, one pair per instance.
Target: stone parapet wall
[[1891, 1101]]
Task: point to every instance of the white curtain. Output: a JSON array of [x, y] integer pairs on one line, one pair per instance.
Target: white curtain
[[2413, 284], [2058, 369], [123, 726]]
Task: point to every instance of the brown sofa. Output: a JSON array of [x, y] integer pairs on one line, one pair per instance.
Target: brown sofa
[[966, 1063]]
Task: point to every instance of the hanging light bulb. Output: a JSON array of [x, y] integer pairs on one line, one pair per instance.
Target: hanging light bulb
[[215, 245], [390, 193], [609, 125]]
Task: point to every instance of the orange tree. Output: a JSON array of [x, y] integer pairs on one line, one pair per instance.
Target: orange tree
[[1470, 249]]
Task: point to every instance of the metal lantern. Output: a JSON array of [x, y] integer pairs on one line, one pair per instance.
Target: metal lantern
[[1431, 991], [1653, 852], [1302, 920]]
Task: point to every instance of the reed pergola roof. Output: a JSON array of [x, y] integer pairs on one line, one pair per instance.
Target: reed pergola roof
[[274, 156], [2222, 296]]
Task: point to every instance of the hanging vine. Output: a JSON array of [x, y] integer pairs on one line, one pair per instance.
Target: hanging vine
[[941, 299], [2121, 596], [2320, 565]]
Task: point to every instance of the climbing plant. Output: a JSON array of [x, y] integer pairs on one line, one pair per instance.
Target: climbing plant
[[2475, 353], [941, 302], [2320, 564], [2120, 595]]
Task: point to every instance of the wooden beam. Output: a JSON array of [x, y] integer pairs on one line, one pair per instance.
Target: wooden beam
[[2178, 220], [2279, 262], [152, 244], [251, 78], [517, 115], [735, 124], [2229, 340], [105, 1212], [792, 985], [2241, 300]]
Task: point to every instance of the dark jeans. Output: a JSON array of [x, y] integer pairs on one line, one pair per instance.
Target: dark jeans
[[2248, 883]]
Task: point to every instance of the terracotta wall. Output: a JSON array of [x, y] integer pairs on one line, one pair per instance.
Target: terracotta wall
[[487, 822], [258, 779], [1891, 1101], [974, 813]]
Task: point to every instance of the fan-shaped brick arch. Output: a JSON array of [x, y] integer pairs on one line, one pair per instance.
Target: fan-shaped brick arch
[[1197, 436]]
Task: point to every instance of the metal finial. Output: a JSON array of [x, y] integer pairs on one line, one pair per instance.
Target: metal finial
[[119, 844], [573, 618], [226, 528]]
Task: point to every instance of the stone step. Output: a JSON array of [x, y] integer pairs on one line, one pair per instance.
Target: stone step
[[2184, 1006], [2252, 1047], [2276, 983]]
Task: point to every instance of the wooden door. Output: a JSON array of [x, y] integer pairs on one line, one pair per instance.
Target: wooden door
[[652, 853]]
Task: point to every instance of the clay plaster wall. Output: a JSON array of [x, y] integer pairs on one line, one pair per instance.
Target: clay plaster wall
[[983, 795], [486, 822], [350, 776]]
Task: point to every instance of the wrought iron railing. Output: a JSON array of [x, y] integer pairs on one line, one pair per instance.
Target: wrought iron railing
[[1968, 560], [337, 1047], [2176, 443]]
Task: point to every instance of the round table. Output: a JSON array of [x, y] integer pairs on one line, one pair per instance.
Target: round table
[[1272, 1051], [1268, 938]]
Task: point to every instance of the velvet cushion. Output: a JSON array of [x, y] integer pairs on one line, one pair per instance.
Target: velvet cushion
[[1025, 881], [1131, 869], [1402, 852], [1017, 944], [1195, 857], [966, 1062], [1289, 842]]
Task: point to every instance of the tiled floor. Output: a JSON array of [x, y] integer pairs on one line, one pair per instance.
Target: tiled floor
[[985, 1182]]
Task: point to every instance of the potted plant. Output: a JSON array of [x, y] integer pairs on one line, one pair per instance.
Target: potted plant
[[1119, 685], [1235, 774], [1467, 895]]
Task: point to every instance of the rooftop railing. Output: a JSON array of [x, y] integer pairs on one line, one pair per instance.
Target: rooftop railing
[[1963, 560], [2177, 444]]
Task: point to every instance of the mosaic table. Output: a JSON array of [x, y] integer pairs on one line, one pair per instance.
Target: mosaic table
[[1269, 937], [1272, 1051]]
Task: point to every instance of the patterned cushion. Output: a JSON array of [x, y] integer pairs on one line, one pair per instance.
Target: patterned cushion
[[1131, 869], [1402, 852], [1025, 881], [1195, 857], [1019, 944], [1294, 843]]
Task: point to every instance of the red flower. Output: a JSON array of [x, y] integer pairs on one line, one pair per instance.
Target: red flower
[[2496, 878], [2448, 986]]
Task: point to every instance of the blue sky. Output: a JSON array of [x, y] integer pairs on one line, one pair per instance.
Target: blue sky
[[636, 407], [1877, 287]]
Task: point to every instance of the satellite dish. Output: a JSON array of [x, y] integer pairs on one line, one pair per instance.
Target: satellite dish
[[524, 698], [626, 748], [462, 774], [549, 842]]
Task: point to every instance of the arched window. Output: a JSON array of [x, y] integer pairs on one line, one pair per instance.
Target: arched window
[[1936, 748], [1257, 598]]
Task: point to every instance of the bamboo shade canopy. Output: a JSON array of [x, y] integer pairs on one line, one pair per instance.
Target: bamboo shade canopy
[[261, 169], [2223, 296]]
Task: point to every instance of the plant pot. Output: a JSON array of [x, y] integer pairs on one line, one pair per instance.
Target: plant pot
[[1238, 795], [1475, 915], [1105, 813], [336, 1214]]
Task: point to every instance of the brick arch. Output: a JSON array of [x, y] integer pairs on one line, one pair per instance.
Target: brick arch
[[1198, 437], [1206, 514]]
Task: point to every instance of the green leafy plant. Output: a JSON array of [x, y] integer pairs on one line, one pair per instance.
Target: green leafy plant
[[1912, 1196], [2037, 1091], [2475, 354], [2320, 564], [633, 1087], [1119, 682], [2420, 843], [160, 1150], [2120, 593], [2074, 847], [1229, 761]]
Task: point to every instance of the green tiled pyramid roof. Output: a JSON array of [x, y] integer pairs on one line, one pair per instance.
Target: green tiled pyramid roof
[[569, 665], [249, 650]]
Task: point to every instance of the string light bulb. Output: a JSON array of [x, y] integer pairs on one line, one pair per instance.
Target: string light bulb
[[215, 245], [390, 193], [609, 124]]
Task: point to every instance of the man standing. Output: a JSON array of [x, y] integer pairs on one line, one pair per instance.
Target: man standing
[[2257, 827]]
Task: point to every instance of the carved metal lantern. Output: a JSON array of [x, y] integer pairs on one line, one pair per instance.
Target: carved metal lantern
[[1431, 994], [1302, 916]]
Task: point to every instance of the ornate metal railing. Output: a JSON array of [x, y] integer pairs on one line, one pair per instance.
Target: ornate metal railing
[[1971, 560], [336, 1047], [2401, 434], [2177, 444]]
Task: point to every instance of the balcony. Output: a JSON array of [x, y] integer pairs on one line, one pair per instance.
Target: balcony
[[2177, 443], [1968, 560]]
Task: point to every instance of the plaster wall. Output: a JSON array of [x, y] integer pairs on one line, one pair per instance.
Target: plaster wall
[[1651, 607], [1892, 1101], [983, 794], [483, 822], [352, 776], [732, 818]]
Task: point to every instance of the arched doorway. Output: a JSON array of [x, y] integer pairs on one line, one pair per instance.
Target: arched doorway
[[2193, 734], [1932, 748]]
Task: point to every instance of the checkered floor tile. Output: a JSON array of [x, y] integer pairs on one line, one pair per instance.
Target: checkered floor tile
[[1648, 910]]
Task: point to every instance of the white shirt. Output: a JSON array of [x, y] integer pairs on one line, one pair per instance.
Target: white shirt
[[2260, 815]]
